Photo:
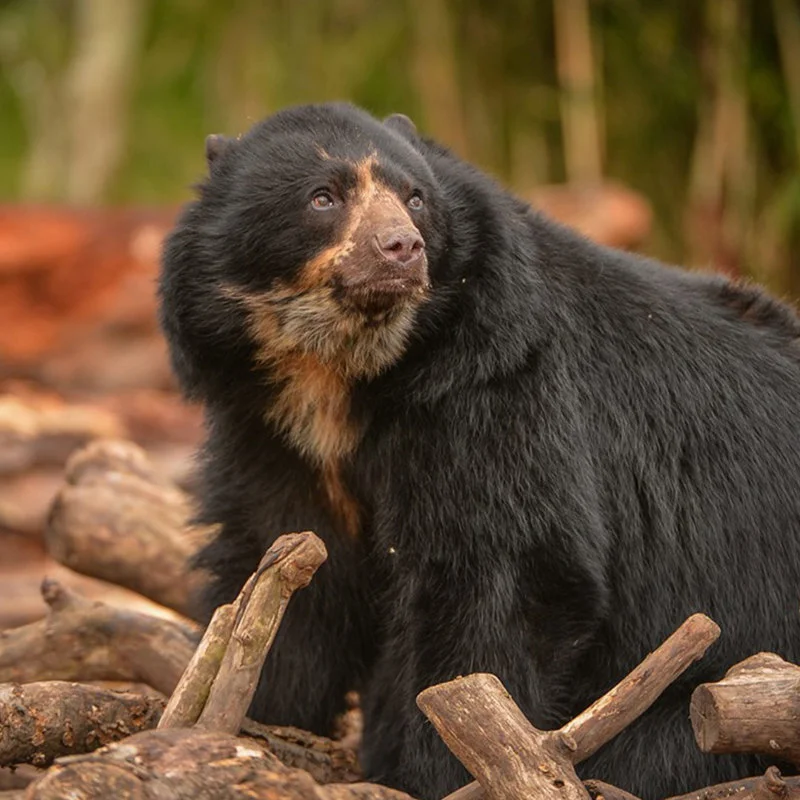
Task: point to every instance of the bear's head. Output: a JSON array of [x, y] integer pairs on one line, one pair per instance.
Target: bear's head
[[312, 240]]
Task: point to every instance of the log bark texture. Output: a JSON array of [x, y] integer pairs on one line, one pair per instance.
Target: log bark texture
[[755, 708], [191, 693], [41, 721], [604, 791], [117, 520], [85, 641], [184, 764]]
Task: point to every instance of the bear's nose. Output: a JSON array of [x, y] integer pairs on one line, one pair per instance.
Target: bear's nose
[[400, 246]]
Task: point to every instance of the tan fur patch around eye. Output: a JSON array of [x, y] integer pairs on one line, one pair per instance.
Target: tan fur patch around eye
[[369, 197]]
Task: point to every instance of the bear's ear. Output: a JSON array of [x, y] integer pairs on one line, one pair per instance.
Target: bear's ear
[[216, 145], [401, 124]]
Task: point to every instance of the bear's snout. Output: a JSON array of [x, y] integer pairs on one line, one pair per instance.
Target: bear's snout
[[402, 246]]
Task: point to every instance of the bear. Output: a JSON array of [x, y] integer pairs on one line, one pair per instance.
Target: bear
[[528, 454]]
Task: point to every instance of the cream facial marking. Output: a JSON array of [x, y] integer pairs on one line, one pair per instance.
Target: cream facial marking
[[312, 343]]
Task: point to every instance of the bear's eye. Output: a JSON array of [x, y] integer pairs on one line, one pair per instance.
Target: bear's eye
[[322, 201], [415, 202]]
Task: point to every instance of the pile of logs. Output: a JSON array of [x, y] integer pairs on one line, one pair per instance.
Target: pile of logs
[[98, 701]]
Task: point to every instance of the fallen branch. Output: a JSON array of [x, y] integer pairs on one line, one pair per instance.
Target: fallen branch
[[191, 693], [474, 715], [769, 786], [86, 641], [116, 519], [492, 738], [753, 709], [178, 763], [41, 721], [637, 691], [287, 566]]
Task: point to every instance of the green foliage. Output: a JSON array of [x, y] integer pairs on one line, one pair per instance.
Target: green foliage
[[480, 74]]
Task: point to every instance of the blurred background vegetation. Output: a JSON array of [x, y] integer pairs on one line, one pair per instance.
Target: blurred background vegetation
[[693, 103]]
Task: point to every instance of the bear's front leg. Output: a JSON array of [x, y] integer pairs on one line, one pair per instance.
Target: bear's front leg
[[454, 619]]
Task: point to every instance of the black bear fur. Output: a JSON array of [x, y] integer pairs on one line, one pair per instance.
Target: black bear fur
[[572, 450]]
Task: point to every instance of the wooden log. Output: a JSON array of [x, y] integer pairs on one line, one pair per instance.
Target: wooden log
[[46, 431], [81, 640], [287, 566], [547, 762], [755, 708], [117, 520], [42, 721], [180, 763], [326, 760]]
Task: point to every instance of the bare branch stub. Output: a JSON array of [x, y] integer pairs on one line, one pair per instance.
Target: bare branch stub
[[488, 733], [753, 709], [190, 695], [635, 693], [288, 565]]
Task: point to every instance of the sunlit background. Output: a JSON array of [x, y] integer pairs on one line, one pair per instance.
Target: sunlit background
[[695, 104], [672, 128]]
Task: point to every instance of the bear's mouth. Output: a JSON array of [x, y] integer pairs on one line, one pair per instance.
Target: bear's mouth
[[376, 298]]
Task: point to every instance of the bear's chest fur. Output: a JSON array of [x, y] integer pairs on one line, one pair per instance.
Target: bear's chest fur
[[312, 408]]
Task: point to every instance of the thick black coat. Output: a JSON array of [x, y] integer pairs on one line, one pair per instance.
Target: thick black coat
[[577, 449]]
